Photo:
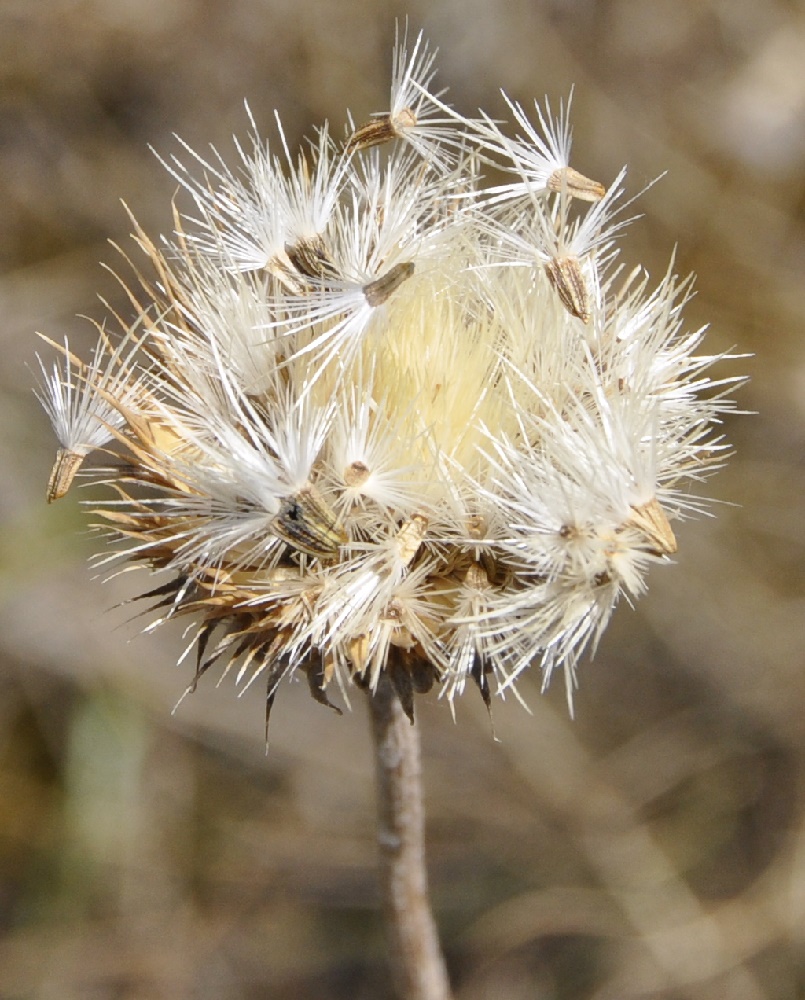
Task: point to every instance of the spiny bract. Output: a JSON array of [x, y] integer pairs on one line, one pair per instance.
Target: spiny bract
[[375, 413]]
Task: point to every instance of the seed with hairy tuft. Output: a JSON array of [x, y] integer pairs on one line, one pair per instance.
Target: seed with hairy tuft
[[575, 184], [379, 291]]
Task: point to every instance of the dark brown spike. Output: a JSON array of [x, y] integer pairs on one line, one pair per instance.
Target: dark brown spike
[[361, 681], [315, 681], [204, 637], [171, 587], [169, 592], [276, 671], [271, 694], [221, 647], [478, 674]]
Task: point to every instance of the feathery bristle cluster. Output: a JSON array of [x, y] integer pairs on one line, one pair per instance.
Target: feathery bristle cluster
[[378, 414]]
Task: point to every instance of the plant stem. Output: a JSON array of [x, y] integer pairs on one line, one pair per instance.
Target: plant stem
[[416, 957]]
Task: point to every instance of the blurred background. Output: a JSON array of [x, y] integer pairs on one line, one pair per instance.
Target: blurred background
[[653, 847]]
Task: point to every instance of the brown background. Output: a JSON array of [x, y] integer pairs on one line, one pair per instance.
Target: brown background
[[655, 847]]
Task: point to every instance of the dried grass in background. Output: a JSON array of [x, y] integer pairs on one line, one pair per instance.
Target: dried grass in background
[[655, 847]]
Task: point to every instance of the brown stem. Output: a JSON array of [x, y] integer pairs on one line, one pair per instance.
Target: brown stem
[[416, 957]]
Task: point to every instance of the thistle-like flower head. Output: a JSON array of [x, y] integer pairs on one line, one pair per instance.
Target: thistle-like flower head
[[376, 414]]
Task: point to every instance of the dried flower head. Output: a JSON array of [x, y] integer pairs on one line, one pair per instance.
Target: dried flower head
[[374, 414]]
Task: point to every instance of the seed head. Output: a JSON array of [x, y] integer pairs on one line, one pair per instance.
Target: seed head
[[374, 414]]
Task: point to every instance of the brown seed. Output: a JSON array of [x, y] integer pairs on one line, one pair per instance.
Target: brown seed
[[373, 133], [307, 523], [576, 185], [63, 473], [566, 276], [380, 129], [379, 291]]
